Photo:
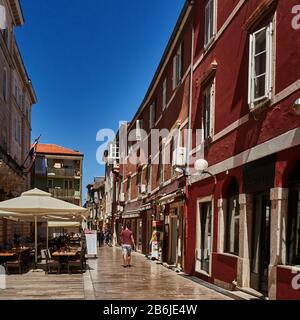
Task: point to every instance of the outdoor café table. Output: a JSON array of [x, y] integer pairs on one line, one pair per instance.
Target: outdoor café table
[[6, 256], [64, 254], [21, 249]]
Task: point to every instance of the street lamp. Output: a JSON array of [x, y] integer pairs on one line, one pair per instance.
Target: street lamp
[[201, 166], [296, 107]]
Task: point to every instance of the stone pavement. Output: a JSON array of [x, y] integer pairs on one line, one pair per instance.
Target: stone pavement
[[145, 280], [36, 285], [106, 279]]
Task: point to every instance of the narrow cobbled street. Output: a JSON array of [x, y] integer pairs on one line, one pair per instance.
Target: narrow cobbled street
[[144, 280]]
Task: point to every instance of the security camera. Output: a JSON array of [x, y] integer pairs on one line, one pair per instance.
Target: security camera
[[296, 107]]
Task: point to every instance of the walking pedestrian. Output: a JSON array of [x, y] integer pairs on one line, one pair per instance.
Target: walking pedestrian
[[100, 237], [107, 238], [127, 242]]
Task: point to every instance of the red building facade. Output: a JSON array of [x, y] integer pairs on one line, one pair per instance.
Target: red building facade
[[242, 228], [231, 70]]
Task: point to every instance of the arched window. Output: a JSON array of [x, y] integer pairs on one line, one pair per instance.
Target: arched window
[[4, 88], [233, 219], [293, 234]]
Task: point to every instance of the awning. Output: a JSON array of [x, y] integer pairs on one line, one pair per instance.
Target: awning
[[169, 198], [146, 207], [131, 214]]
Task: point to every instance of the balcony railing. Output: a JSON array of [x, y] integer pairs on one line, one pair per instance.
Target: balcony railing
[[63, 172], [63, 193]]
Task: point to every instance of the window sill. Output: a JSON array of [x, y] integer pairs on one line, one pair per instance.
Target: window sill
[[260, 106], [161, 184], [228, 254], [202, 272]]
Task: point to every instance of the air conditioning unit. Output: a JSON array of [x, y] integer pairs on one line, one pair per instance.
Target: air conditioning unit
[[122, 197], [142, 189], [179, 157]]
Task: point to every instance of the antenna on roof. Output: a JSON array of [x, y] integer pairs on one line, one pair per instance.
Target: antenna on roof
[[38, 138]]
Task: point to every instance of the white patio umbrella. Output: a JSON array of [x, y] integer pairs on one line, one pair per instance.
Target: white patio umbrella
[[63, 224], [6, 214], [37, 204], [10, 215]]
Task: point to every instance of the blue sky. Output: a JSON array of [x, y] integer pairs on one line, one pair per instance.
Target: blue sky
[[91, 62]]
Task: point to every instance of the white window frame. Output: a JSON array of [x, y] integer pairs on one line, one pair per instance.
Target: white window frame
[[252, 101], [210, 93], [209, 26], [233, 212], [114, 153], [177, 67], [164, 95]]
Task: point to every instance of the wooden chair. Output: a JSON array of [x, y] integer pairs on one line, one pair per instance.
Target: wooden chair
[[51, 263], [78, 262], [19, 263], [26, 259]]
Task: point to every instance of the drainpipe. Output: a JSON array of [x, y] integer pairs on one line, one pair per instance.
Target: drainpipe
[[187, 171]]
